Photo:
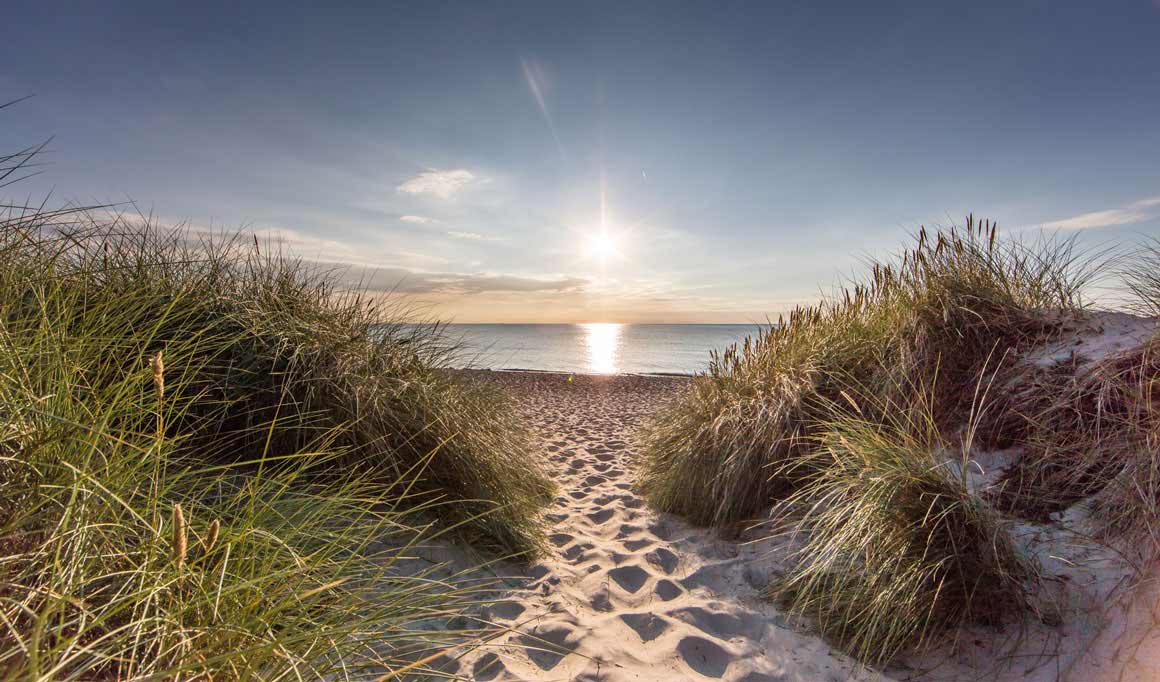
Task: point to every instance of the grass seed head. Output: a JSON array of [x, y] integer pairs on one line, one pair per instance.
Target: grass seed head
[[211, 537], [157, 364], [180, 546]]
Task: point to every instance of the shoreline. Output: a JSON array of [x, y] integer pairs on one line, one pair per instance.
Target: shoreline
[[554, 372]]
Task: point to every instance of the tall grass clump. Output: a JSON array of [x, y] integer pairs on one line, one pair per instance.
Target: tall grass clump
[[944, 313], [895, 548], [213, 465], [1090, 429]]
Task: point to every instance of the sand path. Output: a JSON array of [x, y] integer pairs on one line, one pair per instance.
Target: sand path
[[629, 593]]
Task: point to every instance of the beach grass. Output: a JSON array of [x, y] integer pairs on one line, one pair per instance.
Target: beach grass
[[895, 548], [852, 423], [949, 314], [215, 465]]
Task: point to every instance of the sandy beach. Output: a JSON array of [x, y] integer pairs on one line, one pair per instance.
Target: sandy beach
[[629, 593]]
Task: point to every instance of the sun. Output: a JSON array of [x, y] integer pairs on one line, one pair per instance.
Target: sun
[[603, 245]]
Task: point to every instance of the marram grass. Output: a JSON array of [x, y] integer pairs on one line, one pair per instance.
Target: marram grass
[[895, 549], [213, 465], [949, 313]]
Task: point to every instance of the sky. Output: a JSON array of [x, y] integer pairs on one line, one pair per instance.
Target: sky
[[586, 161]]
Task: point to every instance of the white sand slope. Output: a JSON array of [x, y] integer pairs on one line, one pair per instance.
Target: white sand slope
[[629, 593]]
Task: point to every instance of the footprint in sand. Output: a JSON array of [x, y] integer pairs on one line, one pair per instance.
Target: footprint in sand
[[663, 559], [561, 539], [637, 545], [704, 656], [630, 578], [487, 667], [601, 516], [538, 571], [667, 590], [549, 643], [647, 626], [720, 623], [627, 529], [577, 552]]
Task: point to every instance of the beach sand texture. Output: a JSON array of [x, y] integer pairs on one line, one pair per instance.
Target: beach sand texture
[[629, 593]]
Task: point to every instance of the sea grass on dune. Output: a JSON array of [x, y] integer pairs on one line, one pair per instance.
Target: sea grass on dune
[[213, 463]]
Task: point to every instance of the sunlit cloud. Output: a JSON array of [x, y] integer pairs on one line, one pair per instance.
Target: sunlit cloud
[[443, 184], [416, 219], [472, 236], [409, 281], [1135, 212]]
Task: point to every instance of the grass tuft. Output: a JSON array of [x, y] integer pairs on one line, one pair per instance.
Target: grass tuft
[[897, 550]]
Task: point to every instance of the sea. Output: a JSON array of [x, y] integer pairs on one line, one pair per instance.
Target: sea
[[596, 348]]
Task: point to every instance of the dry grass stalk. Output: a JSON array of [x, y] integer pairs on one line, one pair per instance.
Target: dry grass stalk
[[180, 541]]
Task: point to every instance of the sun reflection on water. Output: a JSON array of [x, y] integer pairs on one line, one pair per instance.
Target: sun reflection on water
[[603, 342]]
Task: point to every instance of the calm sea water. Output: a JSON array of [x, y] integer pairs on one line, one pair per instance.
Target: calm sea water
[[599, 348]]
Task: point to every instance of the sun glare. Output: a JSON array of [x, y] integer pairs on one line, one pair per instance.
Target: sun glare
[[603, 342], [603, 245]]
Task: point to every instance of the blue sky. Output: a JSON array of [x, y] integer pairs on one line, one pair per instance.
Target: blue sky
[[746, 155]]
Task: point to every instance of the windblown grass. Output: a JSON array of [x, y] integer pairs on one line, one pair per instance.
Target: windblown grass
[[1088, 429], [1074, 423], [960, 302], [212, 464], [897, 550], [1141, 279]]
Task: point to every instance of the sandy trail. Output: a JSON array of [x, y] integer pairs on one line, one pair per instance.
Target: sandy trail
[[629, 593]]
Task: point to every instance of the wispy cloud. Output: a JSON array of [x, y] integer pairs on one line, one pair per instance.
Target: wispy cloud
[[443, 184], [406, 281], [472, 236], [537, 78], [1135, 212], [417, 219]]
